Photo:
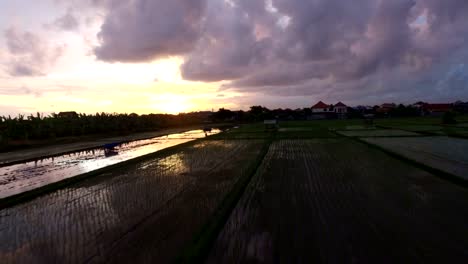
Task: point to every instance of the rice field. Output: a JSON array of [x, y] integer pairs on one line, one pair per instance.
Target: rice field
[[319, 195], [444, 153], [144, 213], [339, 201]]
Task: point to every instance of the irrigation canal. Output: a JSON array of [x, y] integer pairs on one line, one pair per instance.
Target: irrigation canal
[[23, 177]]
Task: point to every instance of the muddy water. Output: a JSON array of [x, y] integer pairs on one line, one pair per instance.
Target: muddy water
[[19, 178]]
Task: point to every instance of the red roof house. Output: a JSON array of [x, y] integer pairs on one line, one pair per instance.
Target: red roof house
[[437, 108], [320, 105], [386, 107], [323, 110]]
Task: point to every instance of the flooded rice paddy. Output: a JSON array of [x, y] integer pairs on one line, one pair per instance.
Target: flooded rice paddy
[[444, 153], [143, 213], [19, 178], [338, 201]]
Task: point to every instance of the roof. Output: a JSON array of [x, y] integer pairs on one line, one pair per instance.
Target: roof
[[387, 105], [320, 104], [340, 104], [69, 114], [438, 107]]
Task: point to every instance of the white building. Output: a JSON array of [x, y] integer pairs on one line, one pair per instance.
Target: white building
[[340, 108]]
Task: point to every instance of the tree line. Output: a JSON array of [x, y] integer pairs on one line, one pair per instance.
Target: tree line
[[24, 128], [71, 124]]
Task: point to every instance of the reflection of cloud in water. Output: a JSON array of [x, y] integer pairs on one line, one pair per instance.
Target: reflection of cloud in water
[[27, 176]]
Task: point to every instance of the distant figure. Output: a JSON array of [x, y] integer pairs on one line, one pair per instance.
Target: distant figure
[[109, 149], [206, 129]]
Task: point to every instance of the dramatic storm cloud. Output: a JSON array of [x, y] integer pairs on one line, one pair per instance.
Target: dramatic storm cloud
[[145, 30], [167, 56], [354, 49]]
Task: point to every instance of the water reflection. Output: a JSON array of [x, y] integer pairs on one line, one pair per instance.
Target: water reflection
[[86, 221], [19, 178]]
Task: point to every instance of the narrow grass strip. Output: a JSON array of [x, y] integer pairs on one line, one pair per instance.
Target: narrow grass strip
[[199, 248]]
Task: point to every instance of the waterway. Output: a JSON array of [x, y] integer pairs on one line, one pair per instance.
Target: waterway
[[19, 178]]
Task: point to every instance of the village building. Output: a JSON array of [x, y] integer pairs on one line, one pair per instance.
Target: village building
[[325, 111], [69, 114], [340, 109], [386, 108], [437, 109], [321, 107]]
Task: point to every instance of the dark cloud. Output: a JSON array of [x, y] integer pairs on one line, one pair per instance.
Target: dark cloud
[[30, 54], [67, 22], [147, 29], [236, 40], [363, 49]]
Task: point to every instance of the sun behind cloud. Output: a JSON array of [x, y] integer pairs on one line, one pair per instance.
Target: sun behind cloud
[[171, 104]]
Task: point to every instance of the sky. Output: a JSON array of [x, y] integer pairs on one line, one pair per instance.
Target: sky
[[159, 56]]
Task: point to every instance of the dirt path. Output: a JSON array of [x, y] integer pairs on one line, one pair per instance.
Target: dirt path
[[339, 201], [47, 151]]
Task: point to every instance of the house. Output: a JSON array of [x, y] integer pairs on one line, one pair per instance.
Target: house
[[386, 108], [340, 108], [321, 111], [70, 114], [419, 104], [437, 109], [321, 107], [325, 111]]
